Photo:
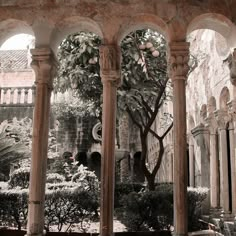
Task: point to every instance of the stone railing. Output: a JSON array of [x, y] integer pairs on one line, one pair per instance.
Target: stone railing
[[12, 96]]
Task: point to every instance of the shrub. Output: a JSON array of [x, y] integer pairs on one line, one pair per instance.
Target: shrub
[[13, 208], [20, 178], [55, 178], [122, 189], [153, 210], [63, 207], [142, 211], [69, 206], [195, 198], [86, 179]]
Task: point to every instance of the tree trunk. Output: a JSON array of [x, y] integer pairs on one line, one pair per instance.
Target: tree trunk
[[151, 182]]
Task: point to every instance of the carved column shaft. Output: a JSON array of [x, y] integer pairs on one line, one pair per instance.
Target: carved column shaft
[[110, 74], [42, 65], [179, 56]]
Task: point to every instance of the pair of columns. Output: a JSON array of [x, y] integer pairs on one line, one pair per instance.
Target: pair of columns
[[222, 152], [42, 63]]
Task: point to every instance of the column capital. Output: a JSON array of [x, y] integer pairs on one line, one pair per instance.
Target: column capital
[[110, 64], [211, 123], [178, 60], [200, 129], [232, 108], [43, 64], [222, 118]]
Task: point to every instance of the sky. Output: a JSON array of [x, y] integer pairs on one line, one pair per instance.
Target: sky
[[19, 41]]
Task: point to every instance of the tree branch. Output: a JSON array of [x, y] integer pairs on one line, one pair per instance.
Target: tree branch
[[167, 131]]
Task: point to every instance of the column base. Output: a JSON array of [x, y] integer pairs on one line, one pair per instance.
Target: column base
[[33, 234], [215, 212]]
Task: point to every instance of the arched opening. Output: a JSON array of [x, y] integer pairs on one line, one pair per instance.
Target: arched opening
[[81, 158], [224, 98], [95, 163], [138, 175], [208, 35], [144, 64], [211, 106], [16, 95]]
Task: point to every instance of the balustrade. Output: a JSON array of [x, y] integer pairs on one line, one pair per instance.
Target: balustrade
[[17, 96]]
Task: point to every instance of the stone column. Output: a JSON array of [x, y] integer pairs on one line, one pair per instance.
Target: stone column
[[232, 166], [223, 118], [214, 163], [43, 67], [232, 133], [110, 74], [179, 56], [191, 163], [201, 135]]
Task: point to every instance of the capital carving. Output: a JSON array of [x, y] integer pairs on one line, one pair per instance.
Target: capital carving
[[199, 133], [222, 118], [232, 109], [110, 64], [178, 60], [232, 67], [211, 123], [44, 65]]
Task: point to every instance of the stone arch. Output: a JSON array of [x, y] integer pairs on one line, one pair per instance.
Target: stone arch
[[213, 21], [191, 123], [224, 98], [203, 113], [211, 105], [73, 25], [142, 21], [11, 27]]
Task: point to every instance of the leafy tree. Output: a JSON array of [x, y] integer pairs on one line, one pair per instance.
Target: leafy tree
[[145, 82], [14, 142]]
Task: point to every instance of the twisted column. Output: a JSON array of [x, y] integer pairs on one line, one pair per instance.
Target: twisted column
[[42, 63], [179, 56], [110, 74]]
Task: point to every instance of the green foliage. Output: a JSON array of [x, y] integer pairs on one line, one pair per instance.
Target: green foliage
[[122, 189], [86, 179], [153, 210], [79, 68], [14, 142], [69, 206], [13, 208], [195, 198], [66, 204], [19, 178], [144, 74], [55, 178], [73, 106]]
